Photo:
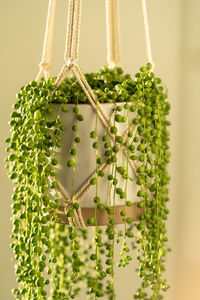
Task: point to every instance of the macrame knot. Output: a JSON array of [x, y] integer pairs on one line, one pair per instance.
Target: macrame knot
[[69, 63], [45, 66], [78, 221], [68, 206]]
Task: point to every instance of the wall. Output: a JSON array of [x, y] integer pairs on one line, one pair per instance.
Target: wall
[[188, 221], [174, 28]]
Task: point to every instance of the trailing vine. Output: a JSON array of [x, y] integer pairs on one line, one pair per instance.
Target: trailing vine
[[50, 253]]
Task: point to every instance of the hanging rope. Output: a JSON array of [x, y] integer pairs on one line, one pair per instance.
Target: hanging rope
[[146, 33], [112, 33], [101, 113], [68, 46], [72, 39], [75, 53], [73, 32], [45, 63]]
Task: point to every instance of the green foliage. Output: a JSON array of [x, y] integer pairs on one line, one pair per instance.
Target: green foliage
[[42, 247]]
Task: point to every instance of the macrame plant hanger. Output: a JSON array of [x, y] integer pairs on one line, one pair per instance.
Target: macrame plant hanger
[[71, 64]]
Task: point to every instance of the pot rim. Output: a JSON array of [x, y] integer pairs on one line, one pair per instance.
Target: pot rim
[[86, 104]]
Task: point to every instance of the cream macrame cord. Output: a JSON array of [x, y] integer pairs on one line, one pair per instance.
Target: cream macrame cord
[[45, 63], [112, 33], [72, 39], [146, 33]]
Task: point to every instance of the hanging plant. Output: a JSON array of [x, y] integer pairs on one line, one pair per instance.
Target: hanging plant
[[52, 240]]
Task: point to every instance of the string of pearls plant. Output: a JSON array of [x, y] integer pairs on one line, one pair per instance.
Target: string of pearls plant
[[49, 253]]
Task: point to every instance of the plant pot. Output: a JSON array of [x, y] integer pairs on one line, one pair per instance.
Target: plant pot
[[86, 163]]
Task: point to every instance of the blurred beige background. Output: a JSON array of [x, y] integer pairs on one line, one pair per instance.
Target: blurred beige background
[[174, 27]]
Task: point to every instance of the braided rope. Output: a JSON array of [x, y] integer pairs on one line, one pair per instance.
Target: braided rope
[[75, 53], [72, 39], [101, 113], [69, 35], [63, 73], [90, 94], [112, 33], [86, 185], [80, 216], [73, 31], [146, 33], [76, 218], [45, 63]]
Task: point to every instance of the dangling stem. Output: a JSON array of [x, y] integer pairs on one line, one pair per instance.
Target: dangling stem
[[95, 210]]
